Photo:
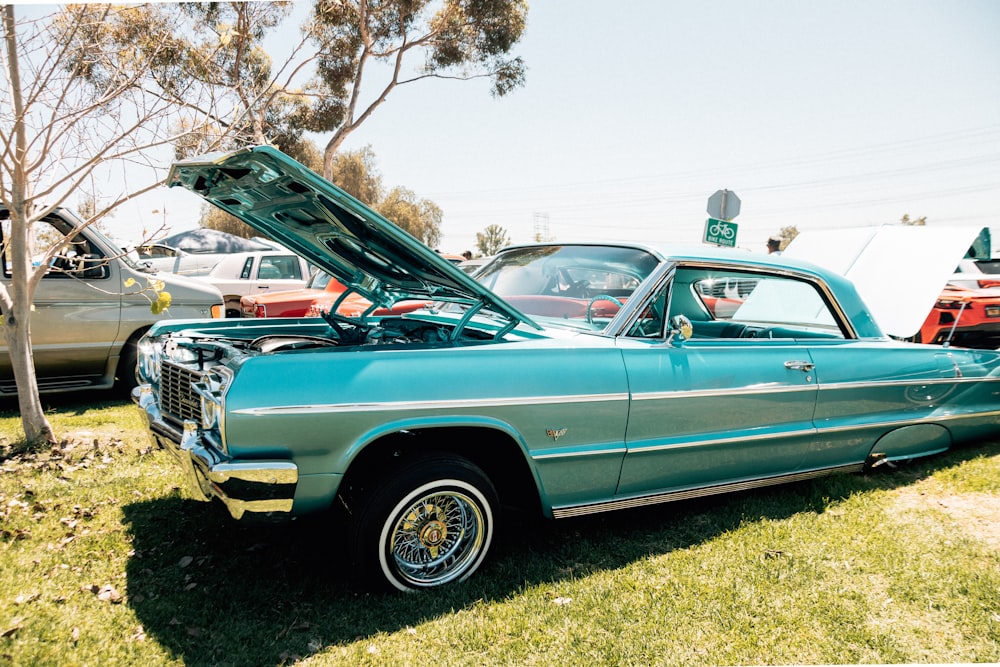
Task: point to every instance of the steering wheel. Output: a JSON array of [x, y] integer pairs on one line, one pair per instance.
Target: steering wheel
[[600, 297]]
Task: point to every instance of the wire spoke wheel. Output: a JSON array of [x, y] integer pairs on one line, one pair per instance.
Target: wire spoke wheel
[[429, 523], [435, 539]]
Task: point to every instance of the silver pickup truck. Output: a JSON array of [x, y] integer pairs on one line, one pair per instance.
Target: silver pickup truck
[[91, 307]]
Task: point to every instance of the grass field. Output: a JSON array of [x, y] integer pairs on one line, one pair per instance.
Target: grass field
[[103, 562]]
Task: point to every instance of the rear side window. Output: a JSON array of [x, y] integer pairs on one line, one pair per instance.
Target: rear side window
[[283, 267], [247, 269]]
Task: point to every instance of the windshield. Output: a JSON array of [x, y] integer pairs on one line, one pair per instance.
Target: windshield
[[573, 285]]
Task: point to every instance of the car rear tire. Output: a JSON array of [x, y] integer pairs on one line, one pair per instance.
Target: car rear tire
[[427, 524]]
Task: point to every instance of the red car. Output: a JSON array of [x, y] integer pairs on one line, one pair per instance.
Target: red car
[[319, 294], [967, 313], [291, 303]]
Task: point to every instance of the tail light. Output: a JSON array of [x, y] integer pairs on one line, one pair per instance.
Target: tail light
[[259, 310]]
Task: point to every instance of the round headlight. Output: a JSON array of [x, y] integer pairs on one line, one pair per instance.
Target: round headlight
[[150, 354]]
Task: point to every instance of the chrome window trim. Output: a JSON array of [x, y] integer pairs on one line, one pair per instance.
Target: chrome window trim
[[621, 328]]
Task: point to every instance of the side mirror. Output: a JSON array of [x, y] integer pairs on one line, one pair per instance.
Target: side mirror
[[93, 266], [680, 328]]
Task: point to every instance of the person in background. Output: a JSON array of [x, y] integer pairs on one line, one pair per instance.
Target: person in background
[[774, 245]]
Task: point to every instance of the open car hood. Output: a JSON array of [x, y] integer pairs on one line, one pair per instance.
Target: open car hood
[[899, 270], [293, 205]]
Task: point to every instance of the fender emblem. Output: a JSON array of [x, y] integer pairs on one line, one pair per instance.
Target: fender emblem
[[555, 433]]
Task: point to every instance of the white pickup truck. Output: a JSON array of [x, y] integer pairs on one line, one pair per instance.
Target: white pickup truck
[[244, 273]]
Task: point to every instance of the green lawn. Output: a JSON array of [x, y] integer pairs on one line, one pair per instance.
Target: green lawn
[[102, 561]]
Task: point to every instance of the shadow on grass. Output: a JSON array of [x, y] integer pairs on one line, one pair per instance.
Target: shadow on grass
[[213, 590], [70, 403]]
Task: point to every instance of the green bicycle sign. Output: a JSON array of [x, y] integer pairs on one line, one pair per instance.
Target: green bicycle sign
[[720, 232]]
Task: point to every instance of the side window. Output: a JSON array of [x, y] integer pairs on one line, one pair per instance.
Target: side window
[[736, 304], [740, 305], [247, 269], [77, 259]]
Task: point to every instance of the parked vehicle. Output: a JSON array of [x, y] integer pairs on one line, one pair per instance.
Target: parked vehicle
[[195, 252], [968, 311], [174, 260], [91, 307], [569, 379], [290, 303], [319, 295], [244, 273], [471, 266], [939, 304]]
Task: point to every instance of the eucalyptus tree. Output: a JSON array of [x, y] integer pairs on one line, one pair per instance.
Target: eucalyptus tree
[[388, 44]]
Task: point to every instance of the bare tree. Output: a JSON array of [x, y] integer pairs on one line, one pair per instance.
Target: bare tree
[[72, 108]]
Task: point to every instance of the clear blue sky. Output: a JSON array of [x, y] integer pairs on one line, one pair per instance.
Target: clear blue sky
[[816, 114]]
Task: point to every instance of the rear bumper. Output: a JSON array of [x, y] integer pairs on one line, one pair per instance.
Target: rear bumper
[[243, 486]]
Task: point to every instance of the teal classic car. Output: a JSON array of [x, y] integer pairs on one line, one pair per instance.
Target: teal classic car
[[566, 379]]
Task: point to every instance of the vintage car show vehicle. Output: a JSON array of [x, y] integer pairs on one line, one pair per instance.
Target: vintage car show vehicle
[[322, 292], [257, 272], [968, 310], [568, 379], [291, 303]]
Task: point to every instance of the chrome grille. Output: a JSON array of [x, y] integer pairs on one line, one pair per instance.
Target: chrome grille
[[177, 400]]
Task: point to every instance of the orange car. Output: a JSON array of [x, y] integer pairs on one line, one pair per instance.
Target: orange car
[[966, 316]]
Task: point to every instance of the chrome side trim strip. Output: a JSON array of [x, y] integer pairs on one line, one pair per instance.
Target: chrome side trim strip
[[807, 432], [929, 419], [787, 388], [610, 451], [432, 405], [732, 391], [904, 383], [687, 494]]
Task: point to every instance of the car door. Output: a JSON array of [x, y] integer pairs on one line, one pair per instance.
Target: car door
[[277, 273], [77, 309], [735, 401]]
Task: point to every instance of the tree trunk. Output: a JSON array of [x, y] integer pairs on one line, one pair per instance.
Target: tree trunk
[[17, 305], [37, 429]]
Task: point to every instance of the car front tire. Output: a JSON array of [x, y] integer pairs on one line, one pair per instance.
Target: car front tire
[[428, 524]]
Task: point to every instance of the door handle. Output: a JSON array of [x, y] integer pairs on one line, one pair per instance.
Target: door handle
[[804, 366]]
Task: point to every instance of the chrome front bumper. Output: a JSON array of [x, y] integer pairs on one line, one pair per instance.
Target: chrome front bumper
[[248, 486]]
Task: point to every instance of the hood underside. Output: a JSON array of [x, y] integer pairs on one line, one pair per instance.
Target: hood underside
[[293, 205], [900, 271]]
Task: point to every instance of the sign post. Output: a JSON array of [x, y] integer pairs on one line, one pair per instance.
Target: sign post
[[723, 206]]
